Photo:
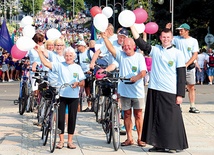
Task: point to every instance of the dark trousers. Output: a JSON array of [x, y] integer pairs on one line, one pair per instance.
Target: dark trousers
[[72, 114]]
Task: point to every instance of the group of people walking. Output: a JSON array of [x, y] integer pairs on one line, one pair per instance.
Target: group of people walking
[[157, 115]]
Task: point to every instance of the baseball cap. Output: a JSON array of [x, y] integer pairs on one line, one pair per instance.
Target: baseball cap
[[124, 32], [184, 26], [81, 42]]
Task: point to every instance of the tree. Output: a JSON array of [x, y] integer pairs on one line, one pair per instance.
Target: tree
[[67, 5], [31, 6]]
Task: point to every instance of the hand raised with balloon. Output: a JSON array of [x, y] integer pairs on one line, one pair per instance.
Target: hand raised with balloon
[[39, 48], [103, 35]]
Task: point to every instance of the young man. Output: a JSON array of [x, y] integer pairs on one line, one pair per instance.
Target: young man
[[84, 55], [190, 48], [163, 125]]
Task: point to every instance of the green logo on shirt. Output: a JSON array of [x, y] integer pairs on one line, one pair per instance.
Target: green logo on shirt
[[189, 49], [170, 63], [87, 60], [75, 75], [134, 69]]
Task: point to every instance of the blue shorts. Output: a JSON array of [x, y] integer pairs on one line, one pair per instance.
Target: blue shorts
[[210, 71], [66, 109]]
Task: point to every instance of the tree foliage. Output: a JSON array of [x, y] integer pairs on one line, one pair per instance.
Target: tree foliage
[[67, 5], [197, 13], [29, 8]]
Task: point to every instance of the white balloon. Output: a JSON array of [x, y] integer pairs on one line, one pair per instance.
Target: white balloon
[[29, 31], [107, 11], [126, 18], [100, 22], [27, 20], [139, 27], [53, 34], [25, 43]]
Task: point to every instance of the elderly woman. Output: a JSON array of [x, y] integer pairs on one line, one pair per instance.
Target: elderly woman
[[69, 72]]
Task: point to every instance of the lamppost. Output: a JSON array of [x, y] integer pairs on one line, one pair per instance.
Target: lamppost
[[1, 13], [10, 13], [172, 13], [150, 18], [33, 8], [150, 11], [121, 5]]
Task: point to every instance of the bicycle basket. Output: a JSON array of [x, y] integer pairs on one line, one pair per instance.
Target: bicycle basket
[[47, 94], [42, 86], [105, 87]]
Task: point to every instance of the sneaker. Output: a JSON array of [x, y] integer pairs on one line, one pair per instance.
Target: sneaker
[[193, 110], [10, 80], [87, 110], [122, 130], [3, 81], [134, 128], [210, 83]]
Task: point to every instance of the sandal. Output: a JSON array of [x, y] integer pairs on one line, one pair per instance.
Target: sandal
[[127, 142], [71, 145], [141, 143], [60, 145]]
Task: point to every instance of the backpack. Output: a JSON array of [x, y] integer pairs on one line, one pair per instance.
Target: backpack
[[211, 60], [78, 56]]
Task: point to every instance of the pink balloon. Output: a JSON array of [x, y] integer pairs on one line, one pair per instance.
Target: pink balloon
[[95, 10], [141, 15], [151, 28], [17, 53]]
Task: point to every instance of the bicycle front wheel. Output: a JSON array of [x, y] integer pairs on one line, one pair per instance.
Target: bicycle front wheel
[[46, 125], [23, 99], [53, 128], [115, 126], [106, 124]]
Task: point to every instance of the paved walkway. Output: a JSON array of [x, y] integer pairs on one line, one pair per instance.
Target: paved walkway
[[18, 136]]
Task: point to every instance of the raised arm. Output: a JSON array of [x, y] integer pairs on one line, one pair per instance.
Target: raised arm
[[94, 58], [143, 45], [42, 58], [109, 45]]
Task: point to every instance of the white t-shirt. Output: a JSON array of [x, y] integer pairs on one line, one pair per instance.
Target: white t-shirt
[[164, 63], [130, 66], [53, 76], [188, 46], [84, 60], [68, 74], [201, 58]]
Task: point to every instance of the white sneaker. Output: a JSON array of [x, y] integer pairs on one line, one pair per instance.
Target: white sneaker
[[3, 81], [10, 80], [210, 83]]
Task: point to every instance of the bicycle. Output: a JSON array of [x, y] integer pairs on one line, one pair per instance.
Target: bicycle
[[108, 110], [43, 95], [24, 90], [50, 121], [49, 114]]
